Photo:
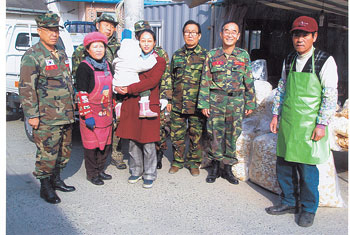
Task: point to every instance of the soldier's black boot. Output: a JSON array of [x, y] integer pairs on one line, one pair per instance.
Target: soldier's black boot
[[214, 173], [58, 184], [228, 175], [159, 159], [47, 192]]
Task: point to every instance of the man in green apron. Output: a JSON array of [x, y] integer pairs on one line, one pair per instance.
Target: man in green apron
[[306, 99]]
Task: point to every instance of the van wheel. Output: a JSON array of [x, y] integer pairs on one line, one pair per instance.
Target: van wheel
[[28, 129]]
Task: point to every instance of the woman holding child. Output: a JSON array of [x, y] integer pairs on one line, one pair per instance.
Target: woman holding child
[[142, 132]]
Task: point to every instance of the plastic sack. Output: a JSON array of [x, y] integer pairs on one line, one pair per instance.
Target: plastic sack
[[259, 70]]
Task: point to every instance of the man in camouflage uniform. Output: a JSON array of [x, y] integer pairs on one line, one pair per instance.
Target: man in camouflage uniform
[[186, 70], [106, 25], [226, 92], [46, 93], [164, 116]]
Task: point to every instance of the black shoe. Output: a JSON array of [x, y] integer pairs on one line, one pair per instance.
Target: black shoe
[[47, 192], [214, 173], [281, 209], [159, 159], [104, 176], [96, 180], [228, 175], [306, 219], [58, 184]]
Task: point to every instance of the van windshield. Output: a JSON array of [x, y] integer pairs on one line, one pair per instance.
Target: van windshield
[[23, 44]]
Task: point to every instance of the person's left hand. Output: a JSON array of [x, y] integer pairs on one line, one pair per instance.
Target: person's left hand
[[318, 134], [121, 89], [248, 112]]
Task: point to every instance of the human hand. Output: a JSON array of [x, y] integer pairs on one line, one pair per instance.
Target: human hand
[[273, 124], [163, 103], [169, 107], [318, 134], [206, 112], [34, 122], [248, 112], [90, 123], [121, 90]]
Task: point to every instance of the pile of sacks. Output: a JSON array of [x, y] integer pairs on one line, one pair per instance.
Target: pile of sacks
[[256, 152], [339, 129]]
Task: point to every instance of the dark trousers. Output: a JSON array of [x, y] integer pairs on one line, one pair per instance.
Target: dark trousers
[[95, 160], [306, 185]]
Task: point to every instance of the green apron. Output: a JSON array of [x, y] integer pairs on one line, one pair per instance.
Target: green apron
[[298, 120]]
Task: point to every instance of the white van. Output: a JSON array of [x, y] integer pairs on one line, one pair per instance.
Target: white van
[[20, 36]]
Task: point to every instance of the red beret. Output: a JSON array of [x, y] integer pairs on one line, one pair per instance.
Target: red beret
[[305, 23], [95, 37]]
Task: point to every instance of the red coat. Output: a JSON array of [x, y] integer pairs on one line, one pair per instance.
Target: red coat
[[132, 127]]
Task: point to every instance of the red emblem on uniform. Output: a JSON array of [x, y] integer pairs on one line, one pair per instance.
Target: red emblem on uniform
[[51, 67], [217, 63], [239, 63]]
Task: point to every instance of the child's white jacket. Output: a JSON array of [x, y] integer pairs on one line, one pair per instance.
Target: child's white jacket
[[129, 63]]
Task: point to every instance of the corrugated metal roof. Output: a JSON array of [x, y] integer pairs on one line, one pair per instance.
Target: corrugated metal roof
[[339, 7], [173, 17], [28, 5]]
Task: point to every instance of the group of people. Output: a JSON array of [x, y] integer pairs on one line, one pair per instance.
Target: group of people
[[124, 91]]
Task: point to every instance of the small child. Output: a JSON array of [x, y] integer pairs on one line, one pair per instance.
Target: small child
[[127, 66]]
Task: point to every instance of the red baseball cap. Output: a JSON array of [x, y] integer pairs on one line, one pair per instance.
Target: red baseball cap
[[305, 23], [95, 37]]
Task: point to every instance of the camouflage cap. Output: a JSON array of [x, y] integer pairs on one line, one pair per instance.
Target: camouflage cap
[[106, 17], [48, 20], [141, 25]]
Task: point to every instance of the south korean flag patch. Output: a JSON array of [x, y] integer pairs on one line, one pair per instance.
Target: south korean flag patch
[[67, 63], [50, 65]]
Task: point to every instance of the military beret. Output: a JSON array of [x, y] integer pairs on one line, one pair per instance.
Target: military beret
[[141, 25], [48, 20], [106, 17]]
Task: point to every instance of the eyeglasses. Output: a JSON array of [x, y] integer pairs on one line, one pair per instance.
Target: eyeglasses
[[233, 33], [186, 33]]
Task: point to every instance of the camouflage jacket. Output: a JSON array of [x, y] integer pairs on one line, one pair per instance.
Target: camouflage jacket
[[166, 76], [111, 52], [232, 74], [45, 86], [186, 70]]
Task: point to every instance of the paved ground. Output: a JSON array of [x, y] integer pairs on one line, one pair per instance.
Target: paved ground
[[177, 204]]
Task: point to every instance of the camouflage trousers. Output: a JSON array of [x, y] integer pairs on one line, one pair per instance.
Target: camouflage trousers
[[181, 125], [117, 155], [164, 131], [224, 126], [54, 147]]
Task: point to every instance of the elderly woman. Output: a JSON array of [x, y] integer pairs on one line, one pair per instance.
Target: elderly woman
[[142, 132], [94, 85]]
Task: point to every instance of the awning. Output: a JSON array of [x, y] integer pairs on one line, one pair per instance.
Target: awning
[[339, 7], [118, 1]]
